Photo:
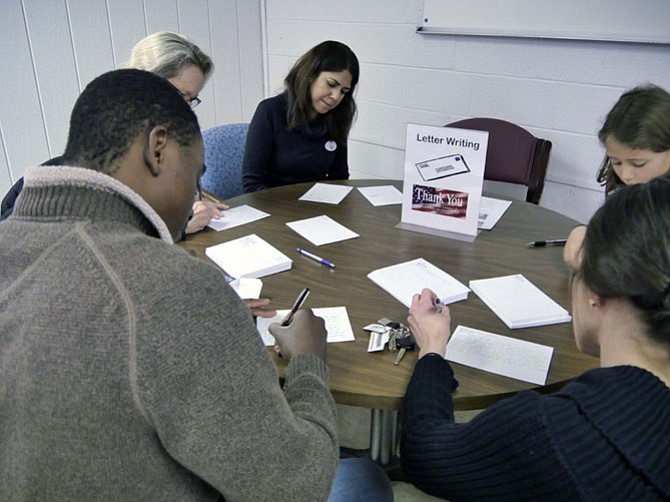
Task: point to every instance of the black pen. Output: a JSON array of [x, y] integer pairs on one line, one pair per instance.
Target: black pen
[[551, 242], [296, 306]]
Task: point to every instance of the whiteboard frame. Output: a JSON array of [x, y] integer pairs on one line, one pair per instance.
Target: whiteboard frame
[[598, 29]]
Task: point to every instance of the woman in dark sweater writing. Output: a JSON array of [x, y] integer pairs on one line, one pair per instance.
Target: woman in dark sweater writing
[[301, 134], [606, 435]]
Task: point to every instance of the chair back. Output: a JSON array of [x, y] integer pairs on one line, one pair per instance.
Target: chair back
[[513, 155], [224, 152]]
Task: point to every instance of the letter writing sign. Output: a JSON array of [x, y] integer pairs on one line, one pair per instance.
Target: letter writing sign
[[443, 178]]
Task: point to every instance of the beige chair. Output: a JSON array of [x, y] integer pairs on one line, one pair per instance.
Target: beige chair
[[513, 155]]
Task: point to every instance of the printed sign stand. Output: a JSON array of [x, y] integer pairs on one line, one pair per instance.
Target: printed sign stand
[[444, 174]]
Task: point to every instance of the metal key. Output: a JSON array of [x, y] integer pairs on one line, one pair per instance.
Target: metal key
[[403, 344], [399, 357]]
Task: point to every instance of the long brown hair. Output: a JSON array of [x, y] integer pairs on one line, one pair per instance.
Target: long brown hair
[[329, 56]]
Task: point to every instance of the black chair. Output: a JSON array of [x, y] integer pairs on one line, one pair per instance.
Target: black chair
[[513, 155]]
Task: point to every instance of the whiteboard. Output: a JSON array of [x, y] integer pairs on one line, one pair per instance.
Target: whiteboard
[[646, 21]]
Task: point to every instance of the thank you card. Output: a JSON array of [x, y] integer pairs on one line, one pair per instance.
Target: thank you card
[[444, 173]]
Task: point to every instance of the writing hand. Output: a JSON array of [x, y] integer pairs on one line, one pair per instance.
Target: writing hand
[[305, 335], [430, 324]]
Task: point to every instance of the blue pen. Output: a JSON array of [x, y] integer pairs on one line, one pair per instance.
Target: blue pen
[[438, 305], [314, 257]]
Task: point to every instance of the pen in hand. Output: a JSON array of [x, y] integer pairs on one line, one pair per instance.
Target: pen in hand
[[296, 306], [550, 242]]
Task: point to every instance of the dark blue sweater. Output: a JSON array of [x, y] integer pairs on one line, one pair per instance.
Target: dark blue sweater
[[275, 155], [605, 436], [10, 197]]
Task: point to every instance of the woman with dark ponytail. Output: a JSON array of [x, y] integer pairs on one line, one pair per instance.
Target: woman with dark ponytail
[[603, 437]]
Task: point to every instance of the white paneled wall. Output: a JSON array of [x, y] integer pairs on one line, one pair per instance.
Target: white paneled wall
[[51, 49], [559, 90]]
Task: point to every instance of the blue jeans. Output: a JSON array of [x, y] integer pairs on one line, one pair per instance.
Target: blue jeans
[[360, 480]]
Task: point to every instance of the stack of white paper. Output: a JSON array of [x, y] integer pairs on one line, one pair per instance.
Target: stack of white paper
[[248, 256], [518, 302], [404, 280]]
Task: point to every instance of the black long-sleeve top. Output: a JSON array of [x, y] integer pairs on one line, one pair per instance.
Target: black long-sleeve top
[[275, 155], [604, 437]]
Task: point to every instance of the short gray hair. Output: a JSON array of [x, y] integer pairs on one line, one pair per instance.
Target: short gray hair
[[165, 54]]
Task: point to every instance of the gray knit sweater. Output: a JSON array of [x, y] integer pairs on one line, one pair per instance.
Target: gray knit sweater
[[129, 370]]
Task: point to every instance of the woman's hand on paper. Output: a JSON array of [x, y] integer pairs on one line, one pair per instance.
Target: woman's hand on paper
[[305, 335], [203, 212], [430, 324]]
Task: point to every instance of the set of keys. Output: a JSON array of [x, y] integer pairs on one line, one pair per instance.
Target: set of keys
[[400, 338]]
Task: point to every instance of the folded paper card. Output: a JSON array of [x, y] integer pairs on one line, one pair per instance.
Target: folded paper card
[[236, 216], [326, 193], [518, 302], [383, 195], [248, 256], [490, 211], [321, 230], [406, 279]]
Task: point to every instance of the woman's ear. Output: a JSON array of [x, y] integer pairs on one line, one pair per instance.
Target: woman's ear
[[154, 149]]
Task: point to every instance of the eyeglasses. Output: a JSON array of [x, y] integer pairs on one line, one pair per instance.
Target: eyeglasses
[[192, 102]]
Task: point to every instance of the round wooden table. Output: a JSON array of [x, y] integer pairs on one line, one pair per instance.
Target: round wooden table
[[372, 380]]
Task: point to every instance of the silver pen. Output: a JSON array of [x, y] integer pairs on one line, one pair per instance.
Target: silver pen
[[296, 306], [550, 242]]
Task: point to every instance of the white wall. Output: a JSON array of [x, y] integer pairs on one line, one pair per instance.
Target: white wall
[[51, 49], [559, 90]]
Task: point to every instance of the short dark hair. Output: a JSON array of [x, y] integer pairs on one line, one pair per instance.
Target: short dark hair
[[640, 119], [626, 252], [328, 56], [118, 106]]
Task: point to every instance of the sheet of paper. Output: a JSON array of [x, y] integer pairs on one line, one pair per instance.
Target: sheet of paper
[[247, 288], [499, 354], [321, 230], [490, 212], [236, 216], [382, 195], [406, 279], [336, 319], [328, 194], [518, 302]]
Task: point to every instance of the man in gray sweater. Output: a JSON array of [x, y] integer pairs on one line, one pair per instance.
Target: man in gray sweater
[[129, 370]]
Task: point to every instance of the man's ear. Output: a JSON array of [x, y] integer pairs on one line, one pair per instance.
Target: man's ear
[[154, 149]]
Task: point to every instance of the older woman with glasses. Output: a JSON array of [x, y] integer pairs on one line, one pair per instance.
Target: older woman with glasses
[[184, 65]]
